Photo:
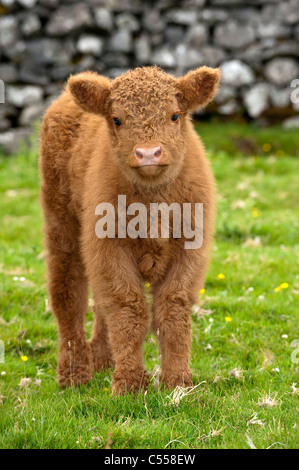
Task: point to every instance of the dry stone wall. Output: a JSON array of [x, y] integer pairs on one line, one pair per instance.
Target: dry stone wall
[[255, 42]]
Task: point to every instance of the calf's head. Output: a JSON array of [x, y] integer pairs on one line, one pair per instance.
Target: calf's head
[[147, 111]]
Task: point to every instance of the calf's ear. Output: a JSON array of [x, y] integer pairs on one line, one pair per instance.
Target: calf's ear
[[198, 87], [90, 91]]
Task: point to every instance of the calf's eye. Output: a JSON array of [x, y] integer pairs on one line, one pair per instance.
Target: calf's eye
[[117, 122], [174, 117]]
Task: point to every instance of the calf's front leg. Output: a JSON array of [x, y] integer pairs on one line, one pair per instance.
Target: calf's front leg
[[173, 299], [172, 323], [117, 289], [127, 322]]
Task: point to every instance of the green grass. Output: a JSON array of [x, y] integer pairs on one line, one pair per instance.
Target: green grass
[[256, 249]]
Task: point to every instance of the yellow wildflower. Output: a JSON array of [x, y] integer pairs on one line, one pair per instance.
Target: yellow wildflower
[[284, 285], [267, 147], [221, 276], [254, 212], [202, 291], [24, 358], [228, 318], [277, 289]]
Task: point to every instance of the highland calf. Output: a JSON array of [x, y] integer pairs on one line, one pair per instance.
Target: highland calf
[[131, 136]]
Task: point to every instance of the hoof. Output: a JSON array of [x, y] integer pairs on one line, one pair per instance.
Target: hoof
[[74, 364], [170, 379], [101, 358], [135, 381]]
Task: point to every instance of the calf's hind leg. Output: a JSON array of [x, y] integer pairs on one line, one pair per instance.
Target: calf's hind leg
[[100, 347], [69, 298]]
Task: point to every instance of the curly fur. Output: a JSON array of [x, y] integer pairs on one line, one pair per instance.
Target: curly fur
[[86, 160]]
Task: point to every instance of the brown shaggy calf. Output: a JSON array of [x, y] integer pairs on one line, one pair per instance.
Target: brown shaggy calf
[[130, 136]]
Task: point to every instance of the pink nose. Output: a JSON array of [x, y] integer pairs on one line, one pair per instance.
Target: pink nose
[[148, 156]]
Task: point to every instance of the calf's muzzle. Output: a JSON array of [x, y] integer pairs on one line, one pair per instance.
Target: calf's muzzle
[[148, 156]]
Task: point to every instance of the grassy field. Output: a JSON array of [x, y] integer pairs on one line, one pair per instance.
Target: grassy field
[[246, 382]]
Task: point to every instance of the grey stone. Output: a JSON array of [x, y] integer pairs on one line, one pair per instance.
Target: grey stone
[[213, 15], [164, 5], [152, 21], [174, 35], [116, 59], [233, 35], [99, 67], [8, 31], [256, 99], [245, 15], [127, 21], [292, 122], [2, 92], [231, 3], [8, 73], [194, 3], [68, 19], [251, 54], [272, 30], [31, 113], [8, 3], [90, 44], [33, 74], [269, 11], [27, 3], [23, 95], [50, 51], [296, 106], [183, 17], [12, 139], [123, 5], [289, 11], [280, 97], [284, 48], [7, 111], [121, 41], [142, 49], [5, 123], [227, 2], [197, 35], [187, 58], [103, 19], [16, 52], [281, 71], [236, 73], [225, 93], [62, 72], [53, 89], [157, 39], [116, 72], [285, 11], [230, 107], [213, 56], [87, 62], [49, 100], [295, 94], [49, 3], [164, 57], [31, 24]]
